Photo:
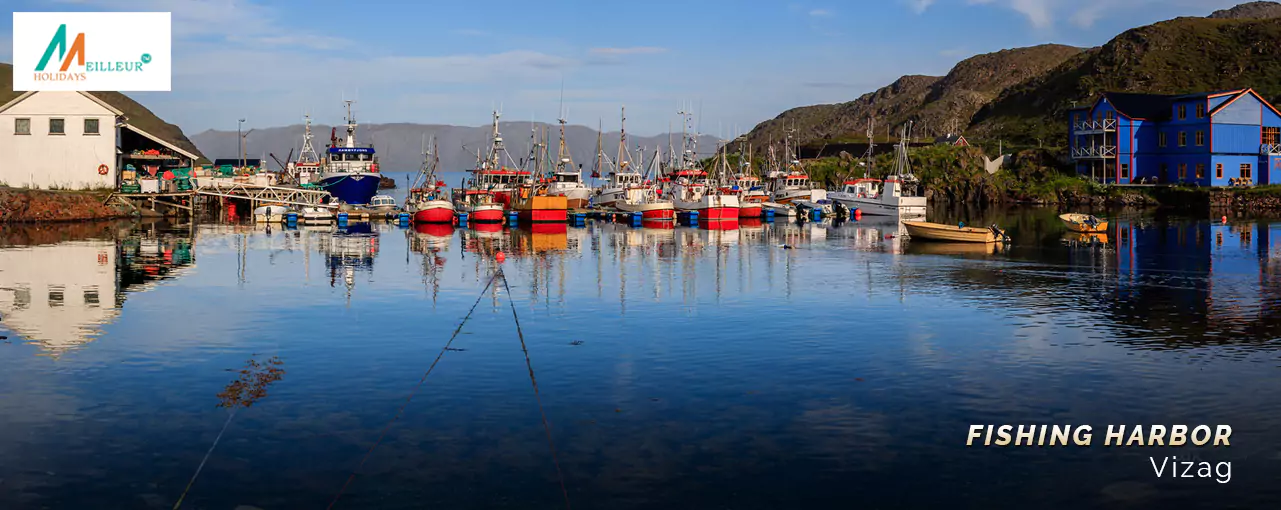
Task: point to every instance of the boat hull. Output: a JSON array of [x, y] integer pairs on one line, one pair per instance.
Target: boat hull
[[485, 214], [1080, 223], [356, 188], [910, 207], [270, 214], [751, 210], [925, 231], [541, 209], [649, 210], [438, 214]]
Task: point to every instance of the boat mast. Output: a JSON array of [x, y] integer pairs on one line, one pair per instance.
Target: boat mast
[[600, 149], [620, 163], [563, 158], [308, 153], [871, 145], [351, 124], [497, 146]]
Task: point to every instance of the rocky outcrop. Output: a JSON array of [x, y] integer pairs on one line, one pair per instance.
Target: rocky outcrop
[[27, 206]]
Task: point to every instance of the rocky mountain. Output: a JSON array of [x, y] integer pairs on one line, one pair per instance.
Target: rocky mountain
[[1021, 95], [1252, 10], [137, 114], [1179, 56], [938, 104], [400, 145]]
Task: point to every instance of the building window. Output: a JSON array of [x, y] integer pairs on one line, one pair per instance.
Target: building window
[[57, 126], [1183, 138], [1125, 170], [1245, 170], [1110, 115], [91, 126], [1160, 139], [1200, 110], [1218, 170], [1183, 111], [1200, 138], [1183, 171], [1165, 172], [1272, 135], [1200, 171], [21, 126]]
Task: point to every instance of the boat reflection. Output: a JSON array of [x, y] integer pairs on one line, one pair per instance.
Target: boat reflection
[[347, 251], [59, 296]]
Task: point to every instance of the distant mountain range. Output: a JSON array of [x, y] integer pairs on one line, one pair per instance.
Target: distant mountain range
[[400, 145], [1022, 95]]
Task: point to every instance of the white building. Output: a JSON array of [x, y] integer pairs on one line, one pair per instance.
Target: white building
[[65, 140]]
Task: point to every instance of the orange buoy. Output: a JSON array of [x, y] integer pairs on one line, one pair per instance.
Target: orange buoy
[[1225, 219], [858, 214], [500, 257]]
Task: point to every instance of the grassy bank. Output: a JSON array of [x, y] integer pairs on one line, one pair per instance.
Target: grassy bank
[[20, 205]]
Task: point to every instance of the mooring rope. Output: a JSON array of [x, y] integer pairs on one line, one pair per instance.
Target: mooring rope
[[410, 398], [546, 428], [206, 459]]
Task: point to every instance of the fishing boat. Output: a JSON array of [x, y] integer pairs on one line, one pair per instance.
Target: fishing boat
[[272, 213], [1084, 223], [689, 187], [567, 179], [748, 187], [317, 215], [892, 196], [382, 203], [426, 201], [625, 182], [787, 180], [307, 168], [350, 171], [495, 174], [780, 210], [489, 191], [926, 231], [533, 202]]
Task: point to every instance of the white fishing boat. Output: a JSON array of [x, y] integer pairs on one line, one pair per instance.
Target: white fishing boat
[[891, 196], [625, 182], [307, 168], [651, 205], [316, 215], [567, 179], [787, 180], [382, 203], [780, 210], [274, 213], [689, 186]]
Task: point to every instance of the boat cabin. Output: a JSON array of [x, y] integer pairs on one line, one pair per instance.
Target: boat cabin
[[502, 178], [862, 188], [352, 159]]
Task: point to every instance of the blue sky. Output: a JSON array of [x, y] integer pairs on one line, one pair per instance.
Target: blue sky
[[738, 63]]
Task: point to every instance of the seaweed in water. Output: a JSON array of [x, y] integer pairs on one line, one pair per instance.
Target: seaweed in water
[[252, 384]]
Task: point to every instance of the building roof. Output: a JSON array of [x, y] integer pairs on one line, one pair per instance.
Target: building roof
[[154, 138], [91, 97], [1141, 106]]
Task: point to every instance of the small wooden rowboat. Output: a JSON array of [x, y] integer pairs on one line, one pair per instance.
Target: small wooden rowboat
[[925, 231], [1084, 223]]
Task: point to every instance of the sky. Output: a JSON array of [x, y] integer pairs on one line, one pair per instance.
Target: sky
[[731, 63]]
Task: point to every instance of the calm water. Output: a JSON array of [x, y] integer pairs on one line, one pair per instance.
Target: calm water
[[683, 368]]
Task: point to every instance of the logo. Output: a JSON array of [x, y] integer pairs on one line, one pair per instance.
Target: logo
[[122, 51]]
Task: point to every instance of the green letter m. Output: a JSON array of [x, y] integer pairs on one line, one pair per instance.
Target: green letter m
[[59, 43]]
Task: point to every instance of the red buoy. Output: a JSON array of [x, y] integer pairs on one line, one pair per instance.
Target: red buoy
[[858, 214], [500, 257]]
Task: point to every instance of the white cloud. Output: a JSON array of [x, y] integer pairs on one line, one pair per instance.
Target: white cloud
[[821, 13], [919, 6], [636, 50]]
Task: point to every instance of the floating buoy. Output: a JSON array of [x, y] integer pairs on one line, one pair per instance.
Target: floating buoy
[[1225, 219], [858, 214], [500, 257]]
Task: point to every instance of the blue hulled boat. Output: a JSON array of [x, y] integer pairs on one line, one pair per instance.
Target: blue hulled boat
[[350, 171]]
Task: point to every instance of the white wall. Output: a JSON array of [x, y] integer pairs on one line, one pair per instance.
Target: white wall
[[76, 269], [41, 160]]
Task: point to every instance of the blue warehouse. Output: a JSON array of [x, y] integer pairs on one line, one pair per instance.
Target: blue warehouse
[[1228, 138]]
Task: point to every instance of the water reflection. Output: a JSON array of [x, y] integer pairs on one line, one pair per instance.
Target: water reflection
[[59, 296]]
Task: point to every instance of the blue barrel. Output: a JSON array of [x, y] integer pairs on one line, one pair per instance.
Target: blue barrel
[[403, 219], [342, 219], [816, 214], [769, 215], [462, 219], [291, 219], [511, 217]]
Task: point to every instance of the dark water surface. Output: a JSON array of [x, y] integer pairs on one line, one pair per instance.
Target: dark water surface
[[683, 368]]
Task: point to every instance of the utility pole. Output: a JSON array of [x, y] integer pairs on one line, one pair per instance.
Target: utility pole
[[240, 143]]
